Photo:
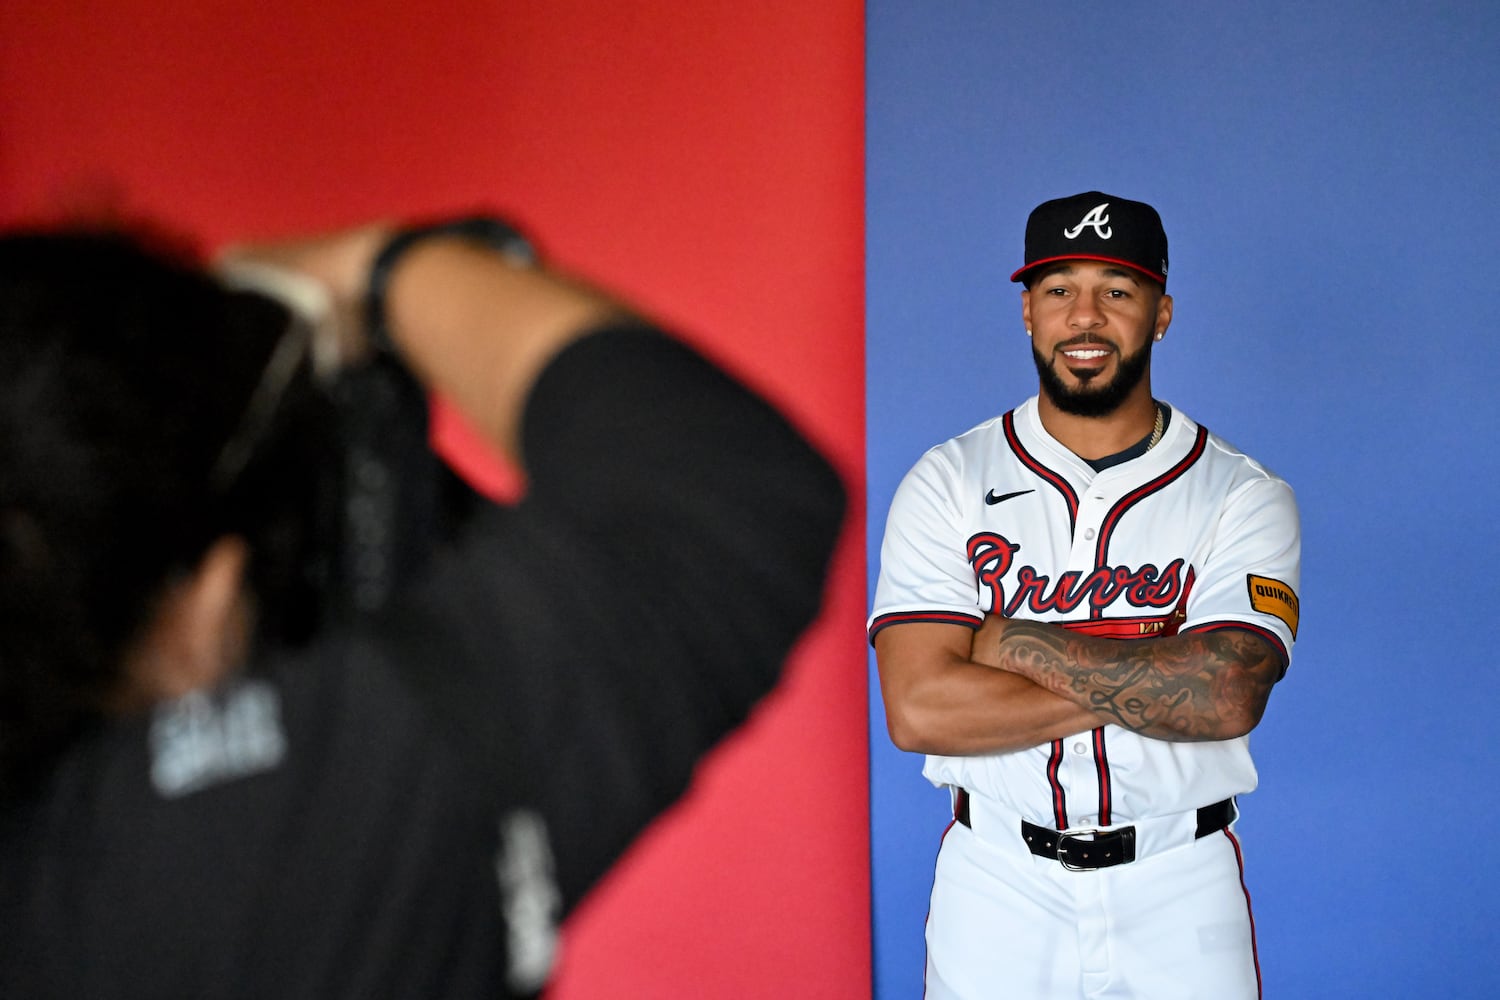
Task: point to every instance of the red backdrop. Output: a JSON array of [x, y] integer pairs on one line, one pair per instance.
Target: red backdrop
[[706, 162]]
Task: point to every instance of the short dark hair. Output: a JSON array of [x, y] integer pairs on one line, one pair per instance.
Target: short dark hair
[[124, 368]]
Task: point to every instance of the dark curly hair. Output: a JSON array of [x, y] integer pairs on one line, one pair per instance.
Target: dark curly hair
[[124, 369]]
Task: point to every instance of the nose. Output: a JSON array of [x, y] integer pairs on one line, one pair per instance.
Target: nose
[[1084, 314]]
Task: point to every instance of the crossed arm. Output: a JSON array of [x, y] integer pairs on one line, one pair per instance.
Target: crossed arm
[[1014, 684]]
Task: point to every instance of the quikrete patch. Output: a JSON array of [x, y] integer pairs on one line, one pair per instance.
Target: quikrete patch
[[1274, 598]]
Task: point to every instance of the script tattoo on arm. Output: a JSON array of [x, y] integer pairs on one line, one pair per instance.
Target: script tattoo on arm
[[1201, 686]]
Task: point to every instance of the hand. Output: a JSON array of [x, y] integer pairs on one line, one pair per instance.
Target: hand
[[985, 649], [325, 275]]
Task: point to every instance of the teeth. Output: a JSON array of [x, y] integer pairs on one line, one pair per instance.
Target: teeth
[[1088, 355]]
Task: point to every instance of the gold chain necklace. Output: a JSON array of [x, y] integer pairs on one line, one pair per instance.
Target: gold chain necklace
[[1157, 428]]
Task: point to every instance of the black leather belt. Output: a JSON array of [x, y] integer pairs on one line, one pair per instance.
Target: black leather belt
[[1086, 852]]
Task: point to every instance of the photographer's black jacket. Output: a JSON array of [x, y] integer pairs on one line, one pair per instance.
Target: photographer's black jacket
[[404, 810]]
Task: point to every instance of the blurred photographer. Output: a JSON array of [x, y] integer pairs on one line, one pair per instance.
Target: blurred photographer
[[284, 710]]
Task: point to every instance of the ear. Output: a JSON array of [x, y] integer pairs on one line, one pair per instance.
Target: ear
[[199, 633], [1163, 315], [1026, 309]]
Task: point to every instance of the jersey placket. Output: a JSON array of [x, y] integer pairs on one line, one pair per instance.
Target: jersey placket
[[1084, 767]]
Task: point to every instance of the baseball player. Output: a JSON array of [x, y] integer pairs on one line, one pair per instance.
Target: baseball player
[[1083, 605]]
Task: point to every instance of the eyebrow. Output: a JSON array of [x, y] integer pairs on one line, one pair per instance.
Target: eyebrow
[[1109, 271], [1123, 272]]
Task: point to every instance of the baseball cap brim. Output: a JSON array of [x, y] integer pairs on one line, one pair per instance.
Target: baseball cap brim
[[1022, 274]]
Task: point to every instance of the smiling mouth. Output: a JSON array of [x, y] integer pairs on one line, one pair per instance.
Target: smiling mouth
[[1084, 361], [1085, 353]]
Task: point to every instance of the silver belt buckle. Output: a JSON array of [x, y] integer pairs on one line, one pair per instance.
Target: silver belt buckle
[[1109, 848], [1063, 842]]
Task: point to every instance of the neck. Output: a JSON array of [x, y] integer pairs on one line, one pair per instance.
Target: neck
[[1096, 437]]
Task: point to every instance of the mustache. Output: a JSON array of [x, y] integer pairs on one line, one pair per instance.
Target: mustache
[[1086, 340]]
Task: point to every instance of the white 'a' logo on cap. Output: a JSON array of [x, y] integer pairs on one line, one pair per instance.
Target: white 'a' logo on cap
[[1095, 219]]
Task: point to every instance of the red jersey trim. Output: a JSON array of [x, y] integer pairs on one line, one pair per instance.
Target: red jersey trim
[[1055, 480], [940, 617], [1264, 633], [1112, 520]]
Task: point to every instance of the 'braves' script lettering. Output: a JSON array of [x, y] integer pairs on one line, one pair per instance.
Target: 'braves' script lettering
[[992, 556]]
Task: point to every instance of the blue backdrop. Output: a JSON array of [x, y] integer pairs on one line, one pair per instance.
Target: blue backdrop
[[1327, 175]]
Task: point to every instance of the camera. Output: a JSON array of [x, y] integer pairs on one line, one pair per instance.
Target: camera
[[372, 498], [381, 499]]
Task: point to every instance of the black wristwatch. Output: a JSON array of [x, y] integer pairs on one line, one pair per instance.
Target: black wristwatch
[[485, 229]]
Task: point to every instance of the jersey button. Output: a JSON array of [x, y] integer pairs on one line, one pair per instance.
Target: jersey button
[[1089, 534], [1080, 748]]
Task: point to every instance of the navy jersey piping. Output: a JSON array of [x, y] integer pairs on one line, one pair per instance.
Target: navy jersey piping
[[1260, 630], [1053, 479], [1101, 556], [940, 617], [1117, 513]]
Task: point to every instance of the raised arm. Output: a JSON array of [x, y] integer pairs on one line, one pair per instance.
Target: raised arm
[[586, 647], [1210, 685], [940, 700], [473, 324]]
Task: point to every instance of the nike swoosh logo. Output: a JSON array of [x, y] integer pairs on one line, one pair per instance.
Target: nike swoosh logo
[[991, 499]]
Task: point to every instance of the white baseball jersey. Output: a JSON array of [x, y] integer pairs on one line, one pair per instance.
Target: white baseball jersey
[[1191, 536]]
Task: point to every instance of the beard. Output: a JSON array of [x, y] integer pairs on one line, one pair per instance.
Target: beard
[[1090, 400]]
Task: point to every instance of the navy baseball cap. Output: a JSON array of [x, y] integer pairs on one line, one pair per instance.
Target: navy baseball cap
[[1096, 226]]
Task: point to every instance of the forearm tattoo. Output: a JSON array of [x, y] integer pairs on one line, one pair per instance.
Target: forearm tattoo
[[1203, 686]]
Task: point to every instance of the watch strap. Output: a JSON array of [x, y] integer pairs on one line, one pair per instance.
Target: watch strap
[[485, 229]]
